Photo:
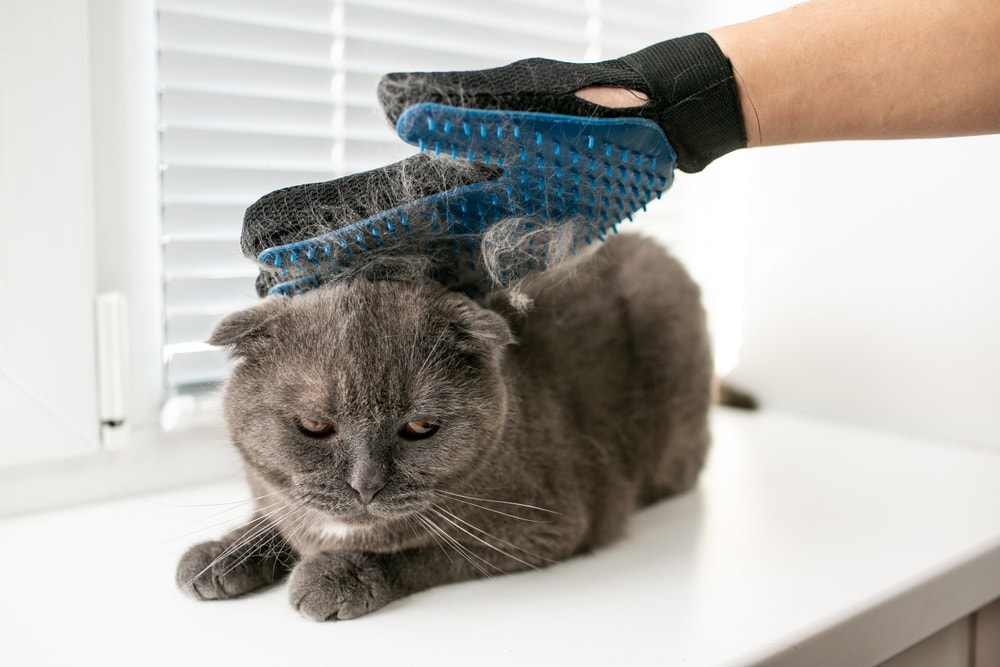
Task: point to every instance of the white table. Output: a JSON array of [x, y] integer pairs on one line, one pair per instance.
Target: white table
[[806, 543]]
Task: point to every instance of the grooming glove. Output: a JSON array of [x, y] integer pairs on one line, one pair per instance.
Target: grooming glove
[[689, 83]]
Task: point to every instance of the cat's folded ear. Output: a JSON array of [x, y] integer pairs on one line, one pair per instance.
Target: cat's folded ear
[[251, 329], [481, 330]]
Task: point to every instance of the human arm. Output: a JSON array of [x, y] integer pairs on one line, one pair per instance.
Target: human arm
[[867, 69]]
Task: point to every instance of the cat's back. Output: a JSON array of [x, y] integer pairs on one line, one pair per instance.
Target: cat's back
[[616, 349], [629, 293]]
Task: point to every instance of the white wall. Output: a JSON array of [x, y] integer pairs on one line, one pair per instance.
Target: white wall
[[873, 286], [872, 290], [47, 275]]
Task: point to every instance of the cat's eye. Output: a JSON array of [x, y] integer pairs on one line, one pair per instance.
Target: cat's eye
[[316, 429], [418, 429]]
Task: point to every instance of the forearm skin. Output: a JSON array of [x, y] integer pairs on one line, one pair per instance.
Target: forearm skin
[[831, 70]]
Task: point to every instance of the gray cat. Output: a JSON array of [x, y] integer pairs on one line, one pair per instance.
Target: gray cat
[[399, 436]]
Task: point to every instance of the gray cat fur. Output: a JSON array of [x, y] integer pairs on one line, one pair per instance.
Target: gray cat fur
[[556, 423]]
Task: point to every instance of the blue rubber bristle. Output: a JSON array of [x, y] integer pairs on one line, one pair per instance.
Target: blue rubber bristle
[[554, 169]]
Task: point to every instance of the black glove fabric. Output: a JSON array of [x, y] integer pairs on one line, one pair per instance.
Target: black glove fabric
[[306, 211], [689, 82]]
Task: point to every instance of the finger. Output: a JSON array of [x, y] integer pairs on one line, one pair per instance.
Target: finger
[[306, 211]]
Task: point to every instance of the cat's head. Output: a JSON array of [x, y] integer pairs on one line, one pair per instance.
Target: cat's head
[[361, 399]]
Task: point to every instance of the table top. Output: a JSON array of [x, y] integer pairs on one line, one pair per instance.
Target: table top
[[805, 543]]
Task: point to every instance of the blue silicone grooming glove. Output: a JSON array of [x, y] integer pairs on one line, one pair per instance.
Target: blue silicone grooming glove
[[512, 144], [546, 169]]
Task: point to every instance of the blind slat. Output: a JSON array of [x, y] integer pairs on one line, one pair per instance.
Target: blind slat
[[211, 72], [303, 14], [193, 184], [200, 297], [466, 31], [180, 219], [245, 113], [191, 364], [541, 19], [258, 41], [185, 328], [188, 145], [388, 53]]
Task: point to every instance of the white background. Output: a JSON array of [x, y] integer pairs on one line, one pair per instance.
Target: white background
[[47, 233]]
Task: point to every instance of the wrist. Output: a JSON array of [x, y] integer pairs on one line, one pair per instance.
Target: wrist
[[694, 98], [748, 110]]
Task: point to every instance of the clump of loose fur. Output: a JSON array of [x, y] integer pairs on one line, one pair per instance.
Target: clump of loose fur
[[507, 254], [382, 422], [516, 252], [306, 211]]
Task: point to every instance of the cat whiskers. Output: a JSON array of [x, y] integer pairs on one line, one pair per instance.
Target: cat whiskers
[[482, 535], [304, 523], [264, 525], [415, 526], [476, 502], [217, 519], [442, 537]]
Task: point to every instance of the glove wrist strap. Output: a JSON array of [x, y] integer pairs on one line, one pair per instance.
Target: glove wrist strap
[[694, 98]]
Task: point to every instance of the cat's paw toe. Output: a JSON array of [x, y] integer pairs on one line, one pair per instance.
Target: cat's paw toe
[[336, 587], [210, 571], [195, 574]]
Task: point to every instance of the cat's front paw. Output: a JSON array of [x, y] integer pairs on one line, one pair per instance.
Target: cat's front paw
[[339, 586], [217, 571]]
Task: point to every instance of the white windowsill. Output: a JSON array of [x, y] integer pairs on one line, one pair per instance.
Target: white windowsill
[[148, 460], [806, 543]]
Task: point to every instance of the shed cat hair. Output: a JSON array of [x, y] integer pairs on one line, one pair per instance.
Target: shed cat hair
[[398, 436], [335, 220]]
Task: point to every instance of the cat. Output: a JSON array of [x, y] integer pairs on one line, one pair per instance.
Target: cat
[[399, 436]]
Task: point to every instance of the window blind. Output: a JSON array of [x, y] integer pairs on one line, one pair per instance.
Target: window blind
[[261, 94]]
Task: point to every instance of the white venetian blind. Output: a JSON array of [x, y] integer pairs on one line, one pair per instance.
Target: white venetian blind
[[246, 106], [262, 94]]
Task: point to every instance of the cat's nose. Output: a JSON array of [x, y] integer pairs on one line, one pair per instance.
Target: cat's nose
[[367, 490]]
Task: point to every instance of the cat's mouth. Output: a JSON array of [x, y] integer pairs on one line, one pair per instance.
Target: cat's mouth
[[352, 511]]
